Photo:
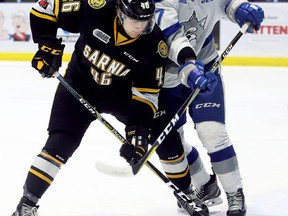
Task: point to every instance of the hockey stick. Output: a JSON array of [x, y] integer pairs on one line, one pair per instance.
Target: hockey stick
[[137, 166], [89, 107], [182, 198], [185, 201]]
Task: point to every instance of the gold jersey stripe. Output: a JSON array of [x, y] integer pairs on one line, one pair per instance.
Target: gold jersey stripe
[[56, 8], [144, 101], [41, 176], [147, 90], [43, 16]]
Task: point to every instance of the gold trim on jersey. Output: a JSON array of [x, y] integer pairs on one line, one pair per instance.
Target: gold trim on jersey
[[144, 101], [56, 8], [43, 16], [119, 38], [148, 90]]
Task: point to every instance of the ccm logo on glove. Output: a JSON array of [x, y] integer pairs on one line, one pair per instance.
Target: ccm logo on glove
[[51, 50], [48, 58]]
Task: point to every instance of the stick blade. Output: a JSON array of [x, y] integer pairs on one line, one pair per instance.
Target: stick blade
[[113, 170]]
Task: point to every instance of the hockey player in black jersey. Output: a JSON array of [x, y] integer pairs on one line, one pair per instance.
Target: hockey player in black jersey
[[117, 65]]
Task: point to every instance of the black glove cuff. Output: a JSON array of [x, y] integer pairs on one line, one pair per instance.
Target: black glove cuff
[[49, 38], [136, 131]]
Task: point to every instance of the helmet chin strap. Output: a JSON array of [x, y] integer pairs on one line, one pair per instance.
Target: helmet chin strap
[[120, 17]]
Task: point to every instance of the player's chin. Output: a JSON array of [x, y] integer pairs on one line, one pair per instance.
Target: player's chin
[[134, 34]]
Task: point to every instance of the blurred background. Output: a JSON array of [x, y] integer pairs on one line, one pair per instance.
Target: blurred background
[[267, 47]]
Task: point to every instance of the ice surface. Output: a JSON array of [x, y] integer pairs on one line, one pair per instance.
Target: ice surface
[[257, 120]]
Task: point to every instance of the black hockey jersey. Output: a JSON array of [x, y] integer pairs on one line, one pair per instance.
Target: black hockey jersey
[[106, 62]]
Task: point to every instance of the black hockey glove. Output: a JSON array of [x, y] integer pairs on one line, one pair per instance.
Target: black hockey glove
[[48, 58], [138, 144], [126, 151]]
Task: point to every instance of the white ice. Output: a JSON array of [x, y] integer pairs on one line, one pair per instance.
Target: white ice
[[257, 120]]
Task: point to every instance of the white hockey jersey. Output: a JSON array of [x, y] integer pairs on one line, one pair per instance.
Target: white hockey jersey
[[190, 23]]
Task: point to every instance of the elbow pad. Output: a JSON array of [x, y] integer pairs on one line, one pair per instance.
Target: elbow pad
[[232, 7]]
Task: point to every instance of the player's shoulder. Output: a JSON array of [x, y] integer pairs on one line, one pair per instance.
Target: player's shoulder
[[157, 33], [158, 41]]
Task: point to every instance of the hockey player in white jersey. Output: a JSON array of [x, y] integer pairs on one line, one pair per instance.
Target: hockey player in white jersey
[[188, 26]]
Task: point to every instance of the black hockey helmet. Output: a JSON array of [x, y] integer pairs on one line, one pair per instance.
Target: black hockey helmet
[[137, 9]]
